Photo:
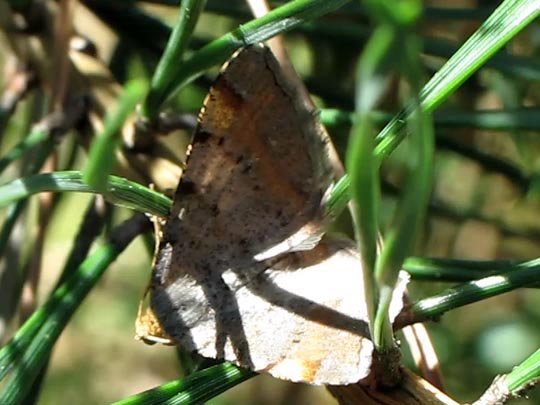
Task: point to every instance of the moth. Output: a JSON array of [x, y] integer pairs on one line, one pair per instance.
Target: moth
[[242, 272]]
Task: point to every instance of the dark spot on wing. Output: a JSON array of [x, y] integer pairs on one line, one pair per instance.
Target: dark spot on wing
[[239, 159], [247, 168], [220, 141], [186, 187], [170, 234], [202, 136]]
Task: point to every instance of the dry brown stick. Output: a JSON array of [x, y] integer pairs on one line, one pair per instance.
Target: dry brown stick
[[413, 390], [63, 31], [59, 79], [156, 164], [19, 79], [424, 354], [496, 394]]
